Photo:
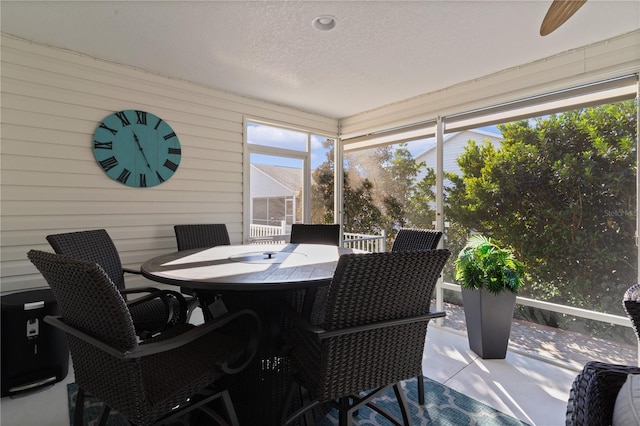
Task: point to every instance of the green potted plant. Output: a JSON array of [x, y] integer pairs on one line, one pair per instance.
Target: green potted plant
[[490, 278]]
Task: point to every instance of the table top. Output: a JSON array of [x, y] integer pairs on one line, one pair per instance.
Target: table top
[[248, 267]]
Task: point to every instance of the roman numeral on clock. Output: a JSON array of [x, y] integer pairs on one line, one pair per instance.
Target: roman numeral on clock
[[143, 180], [160, 179], [124, 176], [170, 165], [123, 118], [104, 126], [142, 117], [169, 136], [108, 163], [102, 145], [177, 151]]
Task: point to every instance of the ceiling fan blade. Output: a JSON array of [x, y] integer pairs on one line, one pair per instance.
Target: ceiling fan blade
[[558, 13]]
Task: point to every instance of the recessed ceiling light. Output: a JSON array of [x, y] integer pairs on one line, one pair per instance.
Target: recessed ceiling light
[[324, 22]]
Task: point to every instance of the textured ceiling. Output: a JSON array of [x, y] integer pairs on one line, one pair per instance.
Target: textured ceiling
[[380, 52]]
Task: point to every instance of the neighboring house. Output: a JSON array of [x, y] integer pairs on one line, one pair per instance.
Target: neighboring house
[[275, 194], [454, 144]]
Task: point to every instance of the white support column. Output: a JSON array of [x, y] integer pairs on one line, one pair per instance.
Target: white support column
[[638, 189], [338, 186], [440, 204]]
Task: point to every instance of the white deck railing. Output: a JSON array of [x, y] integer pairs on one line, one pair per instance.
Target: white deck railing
[[269, 234], [372, 243]]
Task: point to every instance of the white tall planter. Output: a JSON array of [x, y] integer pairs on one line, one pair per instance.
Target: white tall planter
[[488, 319]]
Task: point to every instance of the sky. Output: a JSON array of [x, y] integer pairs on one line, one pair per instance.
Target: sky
[[295, 140], [287, 139]]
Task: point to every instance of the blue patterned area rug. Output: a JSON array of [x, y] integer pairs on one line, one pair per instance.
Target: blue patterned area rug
[[443, 407]]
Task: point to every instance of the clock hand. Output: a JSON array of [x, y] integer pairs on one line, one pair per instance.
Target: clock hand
[[141, 151]]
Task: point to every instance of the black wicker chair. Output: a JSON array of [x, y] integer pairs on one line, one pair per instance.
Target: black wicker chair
[[195, 236], [416, 239], [371, 336], [631, 303], [315, 234], [201, 235], [161, 379], [157, 312], [594, 391], [412, 239]]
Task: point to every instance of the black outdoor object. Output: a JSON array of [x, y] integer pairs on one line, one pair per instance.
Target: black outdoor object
[[594, 391], [195, 236], [201, 235], [413, 239], [34, 354], [631, 303], [157, 311], [162, 378], [371, 335], [328, 234], [488, 318]]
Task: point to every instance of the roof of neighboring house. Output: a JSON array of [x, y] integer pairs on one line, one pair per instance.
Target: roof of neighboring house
[[483, 132], [290, 177]]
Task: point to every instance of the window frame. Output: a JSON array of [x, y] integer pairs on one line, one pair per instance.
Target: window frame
[[305, 156]]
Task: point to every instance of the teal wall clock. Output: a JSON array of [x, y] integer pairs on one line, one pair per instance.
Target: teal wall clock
[[136, 148]]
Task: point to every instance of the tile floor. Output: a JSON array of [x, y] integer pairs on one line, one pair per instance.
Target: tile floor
[[530, 389]]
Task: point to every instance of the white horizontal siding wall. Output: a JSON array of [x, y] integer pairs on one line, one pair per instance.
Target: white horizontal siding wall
[[52, 102], [608, 59]]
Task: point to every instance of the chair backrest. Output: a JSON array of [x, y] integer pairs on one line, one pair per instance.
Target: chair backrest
[[201, 235], [380, 286], [365, 289], [94, 246], [87, 298], [328, 234], [90, 302], [631, 303], [409, 239]]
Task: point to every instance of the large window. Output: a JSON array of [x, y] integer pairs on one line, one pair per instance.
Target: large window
[[561, 190], [553, 177], [389, 187], [290, 178]]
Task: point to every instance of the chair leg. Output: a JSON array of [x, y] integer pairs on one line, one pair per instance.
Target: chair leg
[[78, 409], [305, 409], [345, 415], [229, 409], [402, 402], [219, 420], [104, 415], [400, 398], [420, 390], [305, 398], [205, 397], [287, 403]]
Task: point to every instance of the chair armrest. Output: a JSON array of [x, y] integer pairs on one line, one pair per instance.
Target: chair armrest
[[321, 333], [153, 293], [165, 295], [170, 343]]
